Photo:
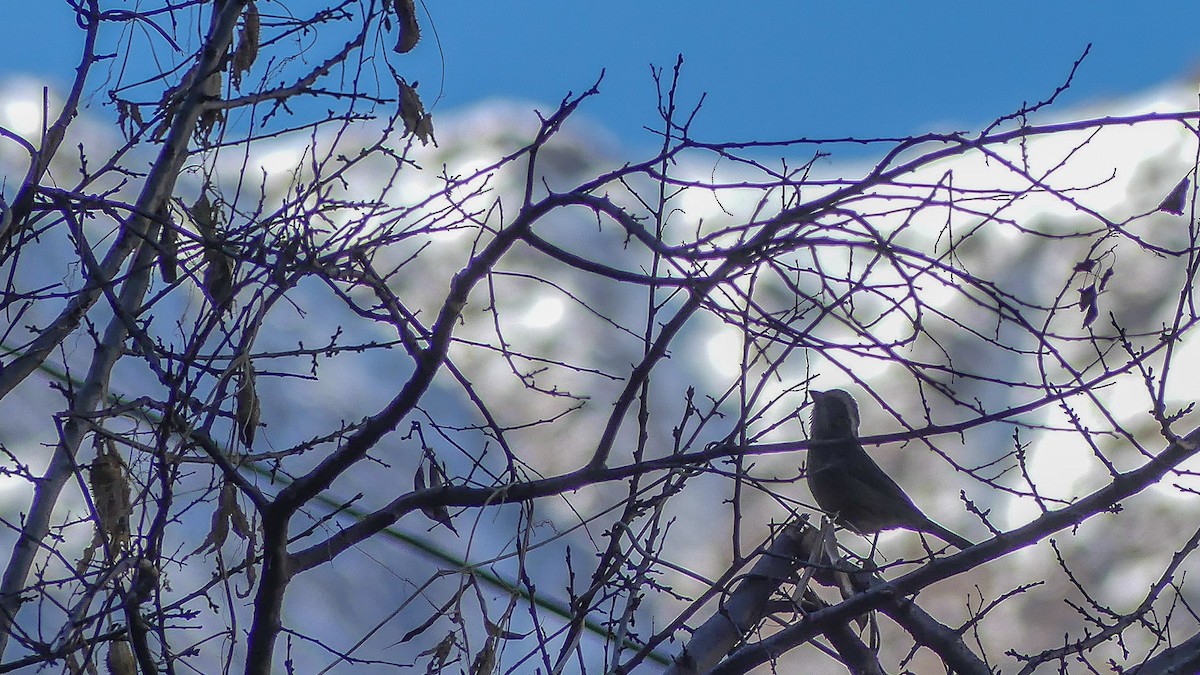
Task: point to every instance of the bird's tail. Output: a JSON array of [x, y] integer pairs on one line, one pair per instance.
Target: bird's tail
[[947, 536]]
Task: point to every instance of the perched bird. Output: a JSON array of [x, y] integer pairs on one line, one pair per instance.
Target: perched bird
[[848, 484]]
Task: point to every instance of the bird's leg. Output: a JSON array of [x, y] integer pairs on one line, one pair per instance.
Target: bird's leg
[[929, 549], [874, 632], [925, 544]]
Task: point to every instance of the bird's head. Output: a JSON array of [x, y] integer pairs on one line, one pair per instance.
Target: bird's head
[[834, 415]]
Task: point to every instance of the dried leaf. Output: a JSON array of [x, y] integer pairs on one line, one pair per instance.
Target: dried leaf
[[131, 113], [123, 117], [229, 505], [439, 654], [217, 532], [110, 494], [410, 30], [205, 217], [168, 118], [135, 114], [485, 660], [1085, 266], [88, 554], [496, 631], [437, 513], [218, 276], [247, 409], [434, 617], [1177, 200], [412, 113], [6, 216], [145, 580], [247, 47], [228, 515], [168, 248], [1087, 304], [1104, 278], [167, 105], [120, 658], [251, 575], [218, 265]]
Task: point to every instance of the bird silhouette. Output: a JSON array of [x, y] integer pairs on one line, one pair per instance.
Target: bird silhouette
[[849, 485]]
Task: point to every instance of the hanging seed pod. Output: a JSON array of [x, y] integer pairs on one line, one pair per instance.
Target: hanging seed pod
[[410, 30], [168, 247], [110, 494], [120, 658], [247, 409], [246, 51]]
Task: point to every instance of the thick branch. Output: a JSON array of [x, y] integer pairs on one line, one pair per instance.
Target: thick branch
[[1122, 487]]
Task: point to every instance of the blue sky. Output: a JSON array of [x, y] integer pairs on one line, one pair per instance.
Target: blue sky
[[772, 70]]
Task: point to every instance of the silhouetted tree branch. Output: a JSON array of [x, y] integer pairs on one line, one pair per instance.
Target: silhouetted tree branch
[[323, 388]]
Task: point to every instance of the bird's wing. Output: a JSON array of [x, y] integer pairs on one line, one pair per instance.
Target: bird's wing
[[873, 479]]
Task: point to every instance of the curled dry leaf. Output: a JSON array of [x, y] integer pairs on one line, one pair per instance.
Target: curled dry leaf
[[218, 265], [217, 533], [439, 513], [228, 515], [233, 510], [1087, 304], [129, 118], [110, 493], [410, 30], [167, 105], [247, 410], [496, 630], [218, 276], [485, 660], [251, 575], [168, 247], [412, 113], [439, 654], [1177, 200], [6, 216], [247, 45], [205, 217]]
